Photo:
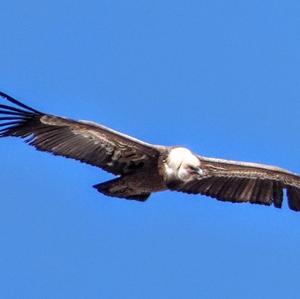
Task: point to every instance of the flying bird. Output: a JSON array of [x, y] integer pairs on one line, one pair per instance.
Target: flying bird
[[142, 168]]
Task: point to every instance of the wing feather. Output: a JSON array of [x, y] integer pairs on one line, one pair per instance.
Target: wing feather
[[239, 190], [85, 141], [277, 194], [293, 198], [235, 181]]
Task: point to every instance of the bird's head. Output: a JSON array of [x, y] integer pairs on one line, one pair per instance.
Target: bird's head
[[183, 163]]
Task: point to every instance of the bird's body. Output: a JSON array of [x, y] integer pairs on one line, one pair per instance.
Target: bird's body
[[142, 168]]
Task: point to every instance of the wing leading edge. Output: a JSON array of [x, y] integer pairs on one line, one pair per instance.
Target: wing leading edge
[[87, 142]]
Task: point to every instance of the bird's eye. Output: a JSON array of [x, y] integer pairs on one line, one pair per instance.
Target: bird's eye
[[193, 168]]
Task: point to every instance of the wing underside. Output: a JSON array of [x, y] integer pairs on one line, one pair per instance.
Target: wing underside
[[244, 182], [84, 141]]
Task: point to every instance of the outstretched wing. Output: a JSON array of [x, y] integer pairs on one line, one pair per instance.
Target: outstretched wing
[[84, 141], [244, 182]]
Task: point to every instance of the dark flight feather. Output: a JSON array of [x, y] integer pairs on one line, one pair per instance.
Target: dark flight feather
[[244, 182], [84, 141]]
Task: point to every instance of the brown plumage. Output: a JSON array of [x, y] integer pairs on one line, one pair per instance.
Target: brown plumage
[[143, 168]]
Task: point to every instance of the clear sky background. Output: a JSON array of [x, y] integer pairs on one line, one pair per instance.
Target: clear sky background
[[220, 77]]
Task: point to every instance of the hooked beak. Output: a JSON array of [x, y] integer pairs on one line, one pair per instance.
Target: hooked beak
[[196, 170]]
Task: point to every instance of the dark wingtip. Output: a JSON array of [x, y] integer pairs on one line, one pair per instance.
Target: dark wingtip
[[293, 195], [18, 103], [14, 117]]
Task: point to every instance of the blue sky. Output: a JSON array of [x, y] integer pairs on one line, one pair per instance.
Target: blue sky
[[220, 77]]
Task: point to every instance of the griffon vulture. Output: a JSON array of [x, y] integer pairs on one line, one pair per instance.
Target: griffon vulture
[[142, 168]]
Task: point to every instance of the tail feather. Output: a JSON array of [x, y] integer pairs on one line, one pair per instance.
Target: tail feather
[[117, 188]]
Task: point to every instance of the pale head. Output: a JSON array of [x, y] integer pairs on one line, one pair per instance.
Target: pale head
[[182, 162]]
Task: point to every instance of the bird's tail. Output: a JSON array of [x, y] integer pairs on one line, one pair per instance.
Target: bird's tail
[[118, 188]]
